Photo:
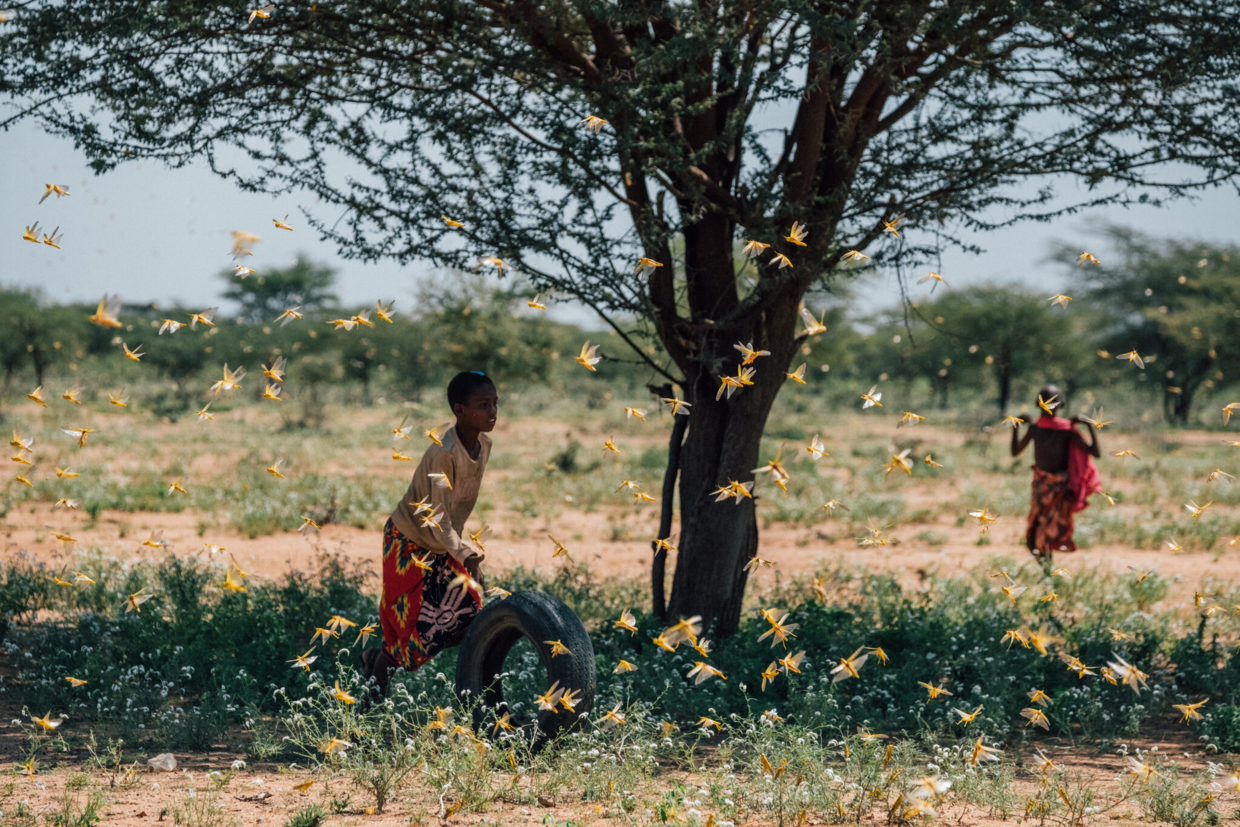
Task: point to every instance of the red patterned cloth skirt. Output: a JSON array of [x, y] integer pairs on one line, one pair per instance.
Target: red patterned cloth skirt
[[420, 611], [1050, 514]]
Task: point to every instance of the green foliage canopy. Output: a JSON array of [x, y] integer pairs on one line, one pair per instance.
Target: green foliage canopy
[[37, 333], [1006, 335], [1176, 301], [397, 113], [266, 295]]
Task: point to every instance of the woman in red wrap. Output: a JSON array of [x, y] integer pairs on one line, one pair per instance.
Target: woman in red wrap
[[1064, 475]]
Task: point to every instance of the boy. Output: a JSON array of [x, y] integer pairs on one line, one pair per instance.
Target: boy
[[421, 610], [1064, 475]]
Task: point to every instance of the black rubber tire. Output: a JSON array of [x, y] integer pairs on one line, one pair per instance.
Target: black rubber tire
[[493, 633]]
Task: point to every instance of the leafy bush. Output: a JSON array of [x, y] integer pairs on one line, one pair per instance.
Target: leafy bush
[[201, 809], [183, 670], [24, 588], [311, 815], [77, 813], [200, 659], [1169, 797], [1221, 727]]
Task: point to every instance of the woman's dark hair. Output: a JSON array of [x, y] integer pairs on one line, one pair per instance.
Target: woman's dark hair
[[464, 384], [1052, 396]]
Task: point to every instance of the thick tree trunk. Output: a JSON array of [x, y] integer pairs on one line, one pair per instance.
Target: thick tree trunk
[[1005, 385], [40, 364], [943, 390], [1176, 406], [717, 538], [723, 442]]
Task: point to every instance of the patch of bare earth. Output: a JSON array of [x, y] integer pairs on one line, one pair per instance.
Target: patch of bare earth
[[792, 549], [263, 795]]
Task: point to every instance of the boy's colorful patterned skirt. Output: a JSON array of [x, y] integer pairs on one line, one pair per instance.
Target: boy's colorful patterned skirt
[[1050, 525], [420, 612]]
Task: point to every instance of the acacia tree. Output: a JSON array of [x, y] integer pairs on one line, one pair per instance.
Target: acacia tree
[[1176, 301], [726, 120], [20, 308], [1010, 333], [265, 296]]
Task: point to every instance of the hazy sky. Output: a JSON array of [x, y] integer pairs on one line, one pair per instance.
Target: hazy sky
[[154, 234]]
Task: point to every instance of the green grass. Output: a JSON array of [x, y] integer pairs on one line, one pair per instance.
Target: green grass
[[342, 472], [198, 659], [200, 665]]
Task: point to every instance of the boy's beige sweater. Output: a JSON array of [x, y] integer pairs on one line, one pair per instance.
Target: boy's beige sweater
[[465, 474]]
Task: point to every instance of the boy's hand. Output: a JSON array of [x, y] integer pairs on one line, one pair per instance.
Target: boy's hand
[[473, 565]]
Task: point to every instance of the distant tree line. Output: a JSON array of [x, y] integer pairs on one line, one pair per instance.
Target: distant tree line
[[462, 324], [1176, 303]]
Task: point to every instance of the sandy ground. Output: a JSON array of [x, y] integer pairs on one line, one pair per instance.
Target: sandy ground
[[791, 549], [530, 441], [265, 795]]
